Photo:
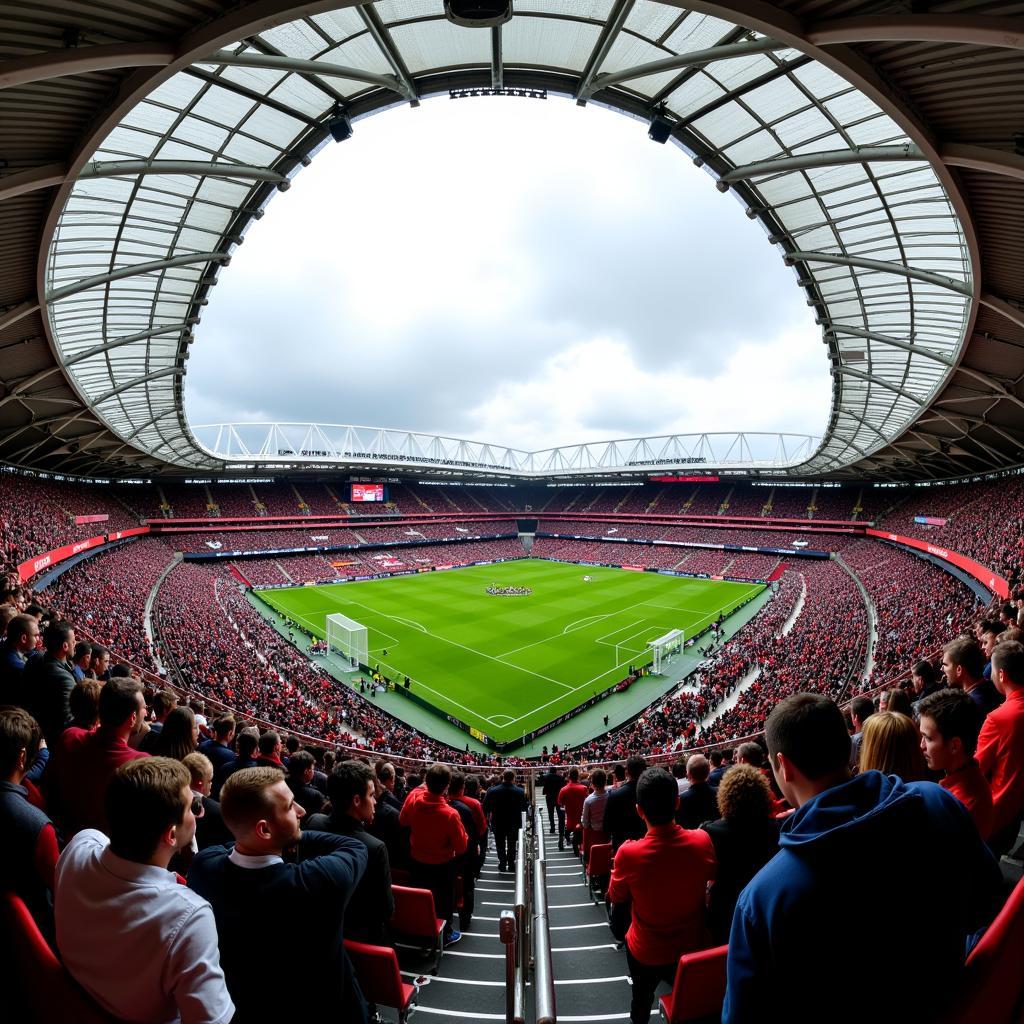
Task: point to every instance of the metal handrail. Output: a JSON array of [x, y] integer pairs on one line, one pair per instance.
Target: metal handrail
[[521, 915], [543, 975]]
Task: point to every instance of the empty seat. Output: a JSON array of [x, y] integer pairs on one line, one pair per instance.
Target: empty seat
[[599, 867], [415, 918], [376, 968], [699, 988]]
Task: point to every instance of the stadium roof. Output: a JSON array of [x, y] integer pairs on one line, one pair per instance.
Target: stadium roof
[[882, 152]]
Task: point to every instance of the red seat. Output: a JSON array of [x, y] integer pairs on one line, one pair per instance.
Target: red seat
[[416, 918], [49, 993], [599, 866], [699, 988], [591, 837], [376, 968], [993, 982]]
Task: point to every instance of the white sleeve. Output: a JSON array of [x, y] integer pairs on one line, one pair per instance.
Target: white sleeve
[[194, 974]]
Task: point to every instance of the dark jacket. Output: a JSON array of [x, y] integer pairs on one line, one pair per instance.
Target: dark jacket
[[395, 837], [48, 684], [226, 770], [621, 821], [697, 805], [210, 827], [796, 932], [551, 783], [311, 800], [504, 805], [304, 900], [218, 754], [372, 904]]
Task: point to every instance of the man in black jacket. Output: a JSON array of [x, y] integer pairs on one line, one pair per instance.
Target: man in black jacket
[[699, 803], [621, 821], [251, 886], [465, 864], [551, 783], [352, 789], [49, 681], [504, 805]]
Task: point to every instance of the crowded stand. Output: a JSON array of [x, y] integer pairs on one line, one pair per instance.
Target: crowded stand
[[317, 499]]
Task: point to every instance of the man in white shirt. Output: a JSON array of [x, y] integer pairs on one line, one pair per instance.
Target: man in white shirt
[[142, 944]]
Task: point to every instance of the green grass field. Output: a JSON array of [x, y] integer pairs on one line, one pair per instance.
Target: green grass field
[[507, 665]]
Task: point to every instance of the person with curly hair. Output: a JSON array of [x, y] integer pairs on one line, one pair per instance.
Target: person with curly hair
[[745, 837]]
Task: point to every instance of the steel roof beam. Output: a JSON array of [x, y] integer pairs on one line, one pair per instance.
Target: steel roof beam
[[683, 60], [609, 33], [998, 305], [167, 371], [849, 371], [82, 60], [965, 29], [17, 312], [32, 179], [218, 169], [884, 267], [118, 342], [884, 339], [497, 62], [272, 62], [382, 37], [86, 283], [983, 158], [20, 389], [830, 158]]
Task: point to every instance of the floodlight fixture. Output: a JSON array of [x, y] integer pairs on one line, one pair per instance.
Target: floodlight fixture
[[340, 127], [478, 13], [660, 129]]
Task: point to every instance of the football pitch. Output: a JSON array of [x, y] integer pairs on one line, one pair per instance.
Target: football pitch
[[508, 665]]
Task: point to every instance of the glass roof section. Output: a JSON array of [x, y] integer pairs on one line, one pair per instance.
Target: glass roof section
[[838, 186]]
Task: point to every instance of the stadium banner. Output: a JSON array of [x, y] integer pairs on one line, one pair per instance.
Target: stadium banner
[[930, 520], [982, 573], [802, 552], [31, 566], [79, 520]]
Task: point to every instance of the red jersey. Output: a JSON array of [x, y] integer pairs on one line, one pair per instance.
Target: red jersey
[[571, 797], [971, 788], [1000, 756], [436, 831]]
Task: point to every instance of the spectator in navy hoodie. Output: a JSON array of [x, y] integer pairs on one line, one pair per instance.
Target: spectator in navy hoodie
[[820, 905]]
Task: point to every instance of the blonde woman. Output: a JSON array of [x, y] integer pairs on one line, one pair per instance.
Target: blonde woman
[[892, 745]]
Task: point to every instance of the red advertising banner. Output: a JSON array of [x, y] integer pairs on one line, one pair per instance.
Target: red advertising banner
[[367, 492], [685, 479], [31, 566], [982, 573], [91, 519]]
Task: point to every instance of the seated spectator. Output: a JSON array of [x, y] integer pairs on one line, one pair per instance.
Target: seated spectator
[[570, 799], [797, 926], [745, 838], [861, 709], [80, 770], [663, 877], [218, 747], [48, 681], [179, 736], [28, 853], [697, 804], [436, 838], [504, 805], [210, 827], [1001, 746], [950, 723], [251, 887], [892, 745], [142, 945], [352, 789], [299, 779], [621, 820], [593, 811], [963, 665]]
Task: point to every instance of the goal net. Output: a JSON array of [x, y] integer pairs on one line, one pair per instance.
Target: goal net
[[348, 637], [665, 648]]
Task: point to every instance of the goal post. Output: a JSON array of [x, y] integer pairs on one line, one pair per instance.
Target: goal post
[[665, 648], [348, 638]]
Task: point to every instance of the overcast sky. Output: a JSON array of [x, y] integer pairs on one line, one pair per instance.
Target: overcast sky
[[524, 272]]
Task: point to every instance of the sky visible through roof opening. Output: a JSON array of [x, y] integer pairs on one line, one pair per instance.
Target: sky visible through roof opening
[[517, 271]]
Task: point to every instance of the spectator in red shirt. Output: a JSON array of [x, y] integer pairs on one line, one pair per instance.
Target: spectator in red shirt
[[950, 723], [79, 772], [664, 877], [1001, 746], [436, 838], [570, 798]]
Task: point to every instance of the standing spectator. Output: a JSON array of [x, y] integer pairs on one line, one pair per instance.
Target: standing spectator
[[389, 780], [950, 723], [1001, 746], [794, 930], [251, 885], [892, 745], [270, 748], [218, 747], [80, 772], [299, 779], [621, 820], [81, 661], [99, 663], [352, 788], [28, 853], [436, 838], [210, 827], [697, 804], [718, 767], [179, 736], [164, 702], [505, 805], [861, 709], [49, 681], [593, 811], [143, 946], [551, 783], [664, 878], [247, 743], [21, 640], [466, 863], [963, 665], [745, 838], [471, 798], [570, 799]]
